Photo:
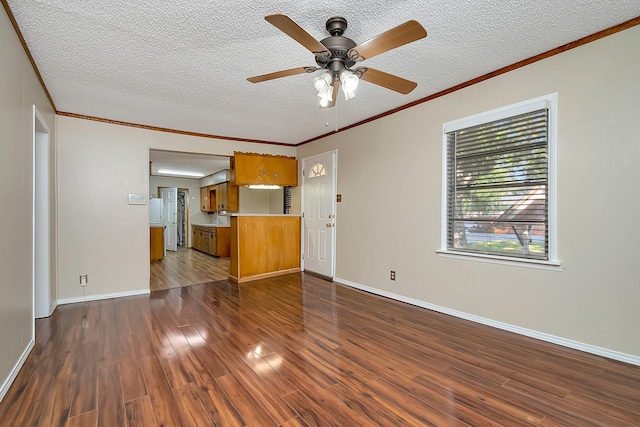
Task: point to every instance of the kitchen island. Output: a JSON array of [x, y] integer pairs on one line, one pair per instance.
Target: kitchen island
[[264, 245]]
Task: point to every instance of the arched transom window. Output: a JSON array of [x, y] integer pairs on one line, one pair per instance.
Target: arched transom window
[[317, 170]]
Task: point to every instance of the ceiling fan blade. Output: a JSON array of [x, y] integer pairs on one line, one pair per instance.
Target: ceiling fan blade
[[405, 33], [283, 73], [387, 80], [293, 30], [334, 96]]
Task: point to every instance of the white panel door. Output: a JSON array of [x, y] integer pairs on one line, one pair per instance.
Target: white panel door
[[319, 195], [170, 207]]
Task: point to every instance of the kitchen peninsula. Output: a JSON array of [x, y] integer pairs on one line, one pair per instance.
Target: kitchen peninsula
[[264, 245]]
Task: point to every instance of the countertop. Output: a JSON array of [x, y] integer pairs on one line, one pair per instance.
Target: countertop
[[209, 225], [156, 225], [260, 214]]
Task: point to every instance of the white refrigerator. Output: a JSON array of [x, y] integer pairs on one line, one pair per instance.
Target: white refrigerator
[[155, 211]]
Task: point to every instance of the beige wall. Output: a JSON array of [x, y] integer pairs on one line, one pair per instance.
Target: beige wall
[[389, 173], [99, 233], [19, 91], [261, 201]]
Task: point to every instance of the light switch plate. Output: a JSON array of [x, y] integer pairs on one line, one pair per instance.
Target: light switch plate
[[137, 199]]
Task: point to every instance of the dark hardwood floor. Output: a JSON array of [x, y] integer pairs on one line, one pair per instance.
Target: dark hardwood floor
[[300, 351], [186, 267]]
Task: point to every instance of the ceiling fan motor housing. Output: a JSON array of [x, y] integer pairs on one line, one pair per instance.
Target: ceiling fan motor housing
[[338, 46]]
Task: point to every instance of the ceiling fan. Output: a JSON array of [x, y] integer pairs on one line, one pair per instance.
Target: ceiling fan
[[337, 55]]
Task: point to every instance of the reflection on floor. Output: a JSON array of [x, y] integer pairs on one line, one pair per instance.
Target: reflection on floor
[[187, 267], [297, 350]]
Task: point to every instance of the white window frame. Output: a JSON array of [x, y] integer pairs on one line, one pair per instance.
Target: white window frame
[[550, 102]]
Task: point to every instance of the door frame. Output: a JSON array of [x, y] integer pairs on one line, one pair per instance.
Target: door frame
[[334, 192], [44, 297], [186, 213]]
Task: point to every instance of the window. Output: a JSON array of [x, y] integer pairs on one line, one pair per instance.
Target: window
[[499, 183], [317, 170], [287, 200]]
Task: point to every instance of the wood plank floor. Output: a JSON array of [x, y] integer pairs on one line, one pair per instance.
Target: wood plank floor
[[300, 351], [187, 267]]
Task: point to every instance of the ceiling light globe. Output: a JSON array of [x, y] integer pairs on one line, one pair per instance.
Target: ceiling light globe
[[349, 82], [320, 84]]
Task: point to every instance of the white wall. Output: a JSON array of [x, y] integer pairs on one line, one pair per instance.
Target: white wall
[[19, 91], [393, 165], [99, 233]]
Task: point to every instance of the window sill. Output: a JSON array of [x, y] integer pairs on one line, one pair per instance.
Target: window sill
[[493, 259]]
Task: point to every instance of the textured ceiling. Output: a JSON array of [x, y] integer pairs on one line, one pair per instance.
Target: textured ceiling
[[183, 64]]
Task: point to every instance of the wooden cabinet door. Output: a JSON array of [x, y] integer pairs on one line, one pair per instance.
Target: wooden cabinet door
[[249, 168], [232, 198], [157, 243], [204, 199], [221, 196], [212, 197], [211, 250], [223, 241]]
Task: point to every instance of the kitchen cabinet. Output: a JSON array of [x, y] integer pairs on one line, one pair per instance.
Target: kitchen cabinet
[[219, 241], [233, 194], [208, 198], [261, 169], [196, 238], [211, 240], [221, 197], [156, 242], [205, 203], [264, 246]]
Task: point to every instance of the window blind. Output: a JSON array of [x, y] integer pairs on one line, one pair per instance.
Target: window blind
[[287, 200], [497, 181]]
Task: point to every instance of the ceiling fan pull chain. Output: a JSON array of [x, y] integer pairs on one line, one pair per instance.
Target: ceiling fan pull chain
[[336, 115]]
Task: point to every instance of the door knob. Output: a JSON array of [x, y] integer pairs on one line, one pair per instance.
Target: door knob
[[328, 225]]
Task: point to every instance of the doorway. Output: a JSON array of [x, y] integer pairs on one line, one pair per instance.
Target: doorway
[[42, 294], [319, 213], [183, 200]]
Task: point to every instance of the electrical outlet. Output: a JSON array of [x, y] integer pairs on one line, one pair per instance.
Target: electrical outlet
[[392, 276], [84, 280]]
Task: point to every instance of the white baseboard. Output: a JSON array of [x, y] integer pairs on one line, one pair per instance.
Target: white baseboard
[[102, 296], [14, 372], [587, 348], [54, 304]]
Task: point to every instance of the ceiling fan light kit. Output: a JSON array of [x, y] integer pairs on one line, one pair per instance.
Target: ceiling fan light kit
[[336, 55]]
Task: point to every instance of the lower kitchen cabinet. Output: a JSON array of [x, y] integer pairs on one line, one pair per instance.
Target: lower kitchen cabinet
[[156, 242], [211, 240]]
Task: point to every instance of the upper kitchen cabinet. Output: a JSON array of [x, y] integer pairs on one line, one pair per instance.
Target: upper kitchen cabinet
[[205, 204], [221, 197], [261, 169], [233, 197]]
